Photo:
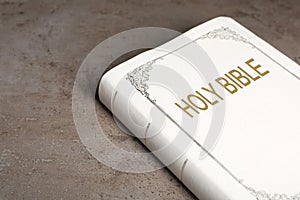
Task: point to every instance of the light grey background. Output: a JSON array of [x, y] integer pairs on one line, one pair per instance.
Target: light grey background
[[42, 44]]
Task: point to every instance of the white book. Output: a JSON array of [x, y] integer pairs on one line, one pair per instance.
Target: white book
[[219, 107]]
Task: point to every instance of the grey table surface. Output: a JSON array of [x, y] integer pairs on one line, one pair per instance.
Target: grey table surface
[[42, 44]]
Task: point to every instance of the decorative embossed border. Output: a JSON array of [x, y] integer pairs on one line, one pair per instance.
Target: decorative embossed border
[[140, 76]]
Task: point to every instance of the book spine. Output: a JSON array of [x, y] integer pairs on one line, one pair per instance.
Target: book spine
[[205, 177]]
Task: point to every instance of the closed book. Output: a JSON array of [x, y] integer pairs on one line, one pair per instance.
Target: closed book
[[219, 107]]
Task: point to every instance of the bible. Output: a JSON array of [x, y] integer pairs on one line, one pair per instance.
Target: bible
[[219, 107]]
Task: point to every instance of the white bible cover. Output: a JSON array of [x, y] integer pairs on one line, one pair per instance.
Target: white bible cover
[[219, 107]]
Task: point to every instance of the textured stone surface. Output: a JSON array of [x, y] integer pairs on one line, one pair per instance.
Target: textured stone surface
[[42, 44]]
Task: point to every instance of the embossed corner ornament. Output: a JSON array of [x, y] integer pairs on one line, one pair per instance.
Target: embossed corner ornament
[[225, 33], [140, 76], [262, 195]]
